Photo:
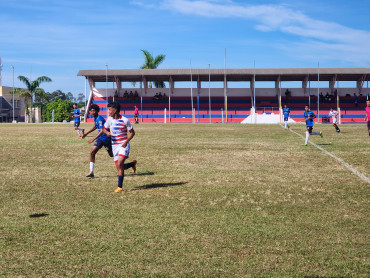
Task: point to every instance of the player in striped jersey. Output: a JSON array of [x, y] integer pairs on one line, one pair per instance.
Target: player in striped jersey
[[119, 126], [334, 115]]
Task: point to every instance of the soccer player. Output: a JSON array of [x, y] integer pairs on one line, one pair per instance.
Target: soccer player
[[309, 116], [286, 112], [118, 126], [367, 116], [77, 114], [101, 139], [334, 115]]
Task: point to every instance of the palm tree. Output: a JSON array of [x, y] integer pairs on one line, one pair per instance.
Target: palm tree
[[25, 95], [32, 87], [153, 63], [42, 96]]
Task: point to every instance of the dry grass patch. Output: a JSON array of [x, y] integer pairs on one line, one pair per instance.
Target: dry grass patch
[[207, 200]]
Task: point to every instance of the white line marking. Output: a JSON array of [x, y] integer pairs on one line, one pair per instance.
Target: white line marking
[[341, 161]]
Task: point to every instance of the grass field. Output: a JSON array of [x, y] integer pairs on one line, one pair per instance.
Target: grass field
[[206, 201]]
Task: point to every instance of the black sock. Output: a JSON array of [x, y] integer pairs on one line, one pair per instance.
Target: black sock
[[128, 165], [120, 181]]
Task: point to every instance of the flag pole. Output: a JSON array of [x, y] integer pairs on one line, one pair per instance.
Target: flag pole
[[318, 94], [191, 94]]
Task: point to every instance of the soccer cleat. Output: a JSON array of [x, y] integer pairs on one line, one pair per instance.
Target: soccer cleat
[[134, 167], [90, 175], [118, 190], [304, 145], [321, 134]]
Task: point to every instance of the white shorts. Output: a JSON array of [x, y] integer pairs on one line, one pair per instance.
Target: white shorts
[[118, 151], [334, 121]]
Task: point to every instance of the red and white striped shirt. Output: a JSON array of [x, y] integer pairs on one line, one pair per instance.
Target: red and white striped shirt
[[118, 129]]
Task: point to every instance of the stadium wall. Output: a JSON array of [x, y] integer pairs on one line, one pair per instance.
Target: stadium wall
[[232, 92]]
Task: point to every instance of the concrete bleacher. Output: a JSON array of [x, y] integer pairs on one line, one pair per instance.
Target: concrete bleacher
[[180, 109], [238, 108]]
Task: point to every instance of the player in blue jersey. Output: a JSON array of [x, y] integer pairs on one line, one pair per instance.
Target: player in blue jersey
[[77, 115], [101, 139], [309, 117], [286, 113]]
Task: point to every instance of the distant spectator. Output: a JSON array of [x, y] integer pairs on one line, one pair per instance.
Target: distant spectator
[[355, 99], [156, 98], [164, 97], [160, 96], [125, 95], [136, 115], [327, 97], [367, 115], [322, 97], [287, 93], [115, 94], [131, 95], [136, 95]]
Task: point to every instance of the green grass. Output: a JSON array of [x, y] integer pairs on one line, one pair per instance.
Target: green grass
[[206, 201]]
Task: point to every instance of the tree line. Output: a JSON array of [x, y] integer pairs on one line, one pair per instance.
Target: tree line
[[60, 102]]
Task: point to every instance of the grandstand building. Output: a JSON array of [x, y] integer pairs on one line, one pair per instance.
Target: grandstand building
[[236, 95]]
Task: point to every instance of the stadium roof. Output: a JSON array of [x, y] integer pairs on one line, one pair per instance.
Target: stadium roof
[[286, 74]]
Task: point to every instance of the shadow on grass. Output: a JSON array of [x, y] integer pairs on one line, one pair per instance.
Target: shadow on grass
[[324, 144], [38, 215], [127, 174], [158, 185], [144, 174]]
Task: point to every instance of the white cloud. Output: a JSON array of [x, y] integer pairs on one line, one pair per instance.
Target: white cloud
[[329, 37]]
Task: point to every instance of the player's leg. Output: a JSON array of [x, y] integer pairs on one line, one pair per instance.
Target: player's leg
[[335, 125], [308, 131], [79, 130], [93, 152], [123, 154], [368, 127], [130, 165], [285, 123], [316, 133], [108, 147], [121, 173]]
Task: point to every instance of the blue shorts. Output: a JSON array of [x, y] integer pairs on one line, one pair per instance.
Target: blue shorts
[[107, 144], [77, 124]]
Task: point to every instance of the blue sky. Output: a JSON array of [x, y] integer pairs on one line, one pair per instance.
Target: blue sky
[[59, 38]]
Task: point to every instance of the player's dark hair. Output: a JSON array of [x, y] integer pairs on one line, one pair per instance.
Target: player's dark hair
[[115, 105], [95, 107], [75, 103]]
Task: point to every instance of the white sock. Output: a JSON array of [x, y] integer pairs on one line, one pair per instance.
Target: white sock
[[78, 132], [307, 135], [92, 167], [286, 124]]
